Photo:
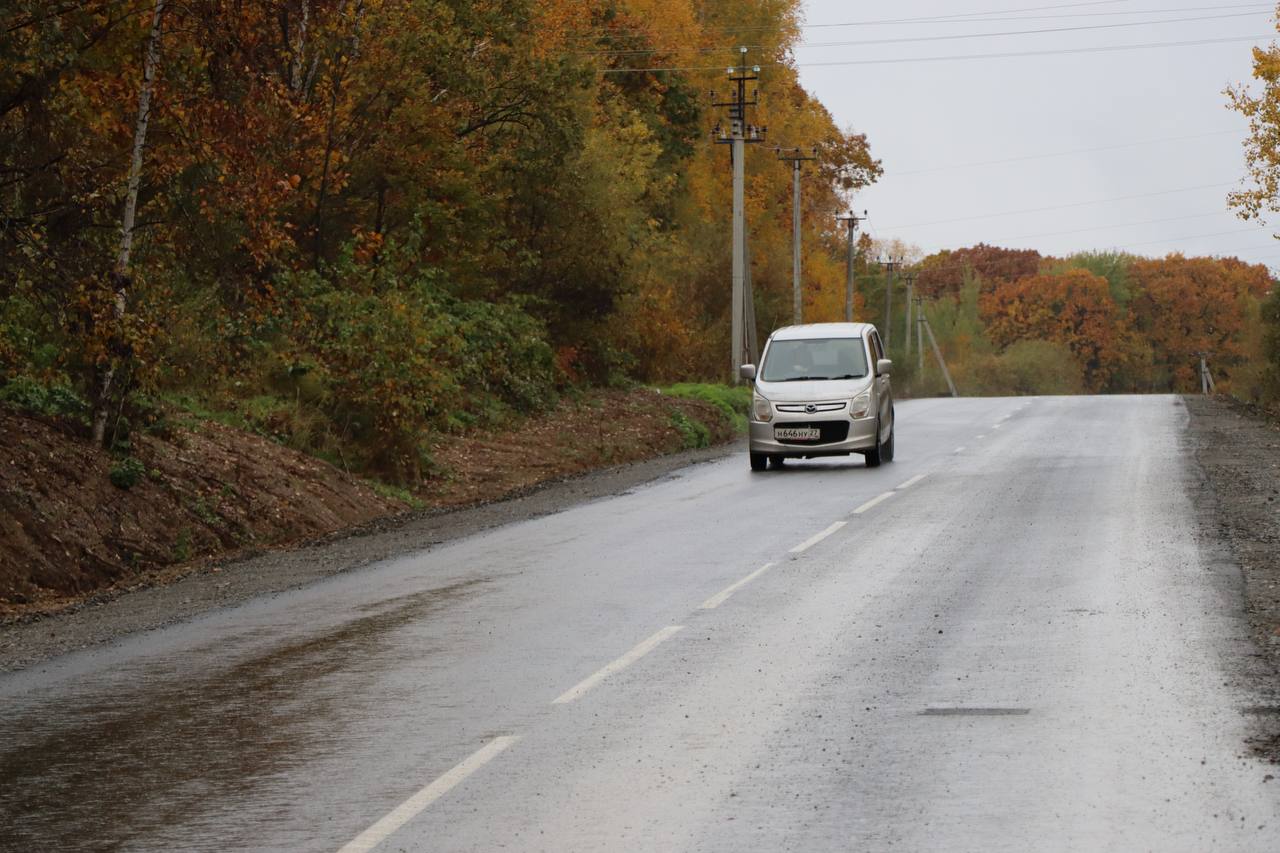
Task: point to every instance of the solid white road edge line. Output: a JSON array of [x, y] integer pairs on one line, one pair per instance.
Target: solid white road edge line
[[817, 537], [917, 478], [721, 597], [871, 503], [412, 807], [577, 690]]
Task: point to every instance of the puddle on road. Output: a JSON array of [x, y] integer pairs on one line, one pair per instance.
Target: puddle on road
[[109, 764]]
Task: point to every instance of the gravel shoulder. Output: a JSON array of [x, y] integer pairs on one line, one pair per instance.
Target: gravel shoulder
[[225, 583], [1237, 450]]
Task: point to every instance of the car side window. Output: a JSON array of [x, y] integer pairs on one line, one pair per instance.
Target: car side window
[[877, 350]]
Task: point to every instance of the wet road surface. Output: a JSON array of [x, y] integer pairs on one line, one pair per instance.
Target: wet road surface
[[1008, 639]]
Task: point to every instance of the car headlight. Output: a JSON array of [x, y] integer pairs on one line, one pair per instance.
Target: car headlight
[[761, 408], [861, 405]]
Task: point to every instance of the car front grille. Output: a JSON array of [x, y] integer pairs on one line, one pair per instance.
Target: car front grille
[[818, 408]]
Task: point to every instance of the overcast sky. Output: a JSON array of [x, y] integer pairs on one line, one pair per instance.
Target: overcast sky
[[1160, 112]]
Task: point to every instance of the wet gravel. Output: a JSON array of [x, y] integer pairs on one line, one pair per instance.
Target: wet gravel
[[1237, 448], [220, 584]]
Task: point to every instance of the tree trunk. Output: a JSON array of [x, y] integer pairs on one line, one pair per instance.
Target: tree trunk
[[120, 278], [297, 80]]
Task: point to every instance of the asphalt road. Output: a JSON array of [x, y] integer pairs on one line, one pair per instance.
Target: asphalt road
[[1008, 639]]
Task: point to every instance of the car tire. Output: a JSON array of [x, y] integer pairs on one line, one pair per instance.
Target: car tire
[[875, 456], [886, 452], [776, 461], [759, 461]]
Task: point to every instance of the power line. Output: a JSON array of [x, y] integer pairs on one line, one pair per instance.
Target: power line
[[954, 18], [1042, 31], [1029, 53], [1121, 225], [914, 39], [957, 57], [1191, 237], [985, 20], [1062, 206], [1058, 154]]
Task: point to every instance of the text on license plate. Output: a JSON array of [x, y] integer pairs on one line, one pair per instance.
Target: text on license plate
[[797, 433]]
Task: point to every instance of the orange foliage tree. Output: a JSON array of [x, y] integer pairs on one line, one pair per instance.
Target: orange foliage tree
[[1187, 306], [943, 273], [1073, 308]]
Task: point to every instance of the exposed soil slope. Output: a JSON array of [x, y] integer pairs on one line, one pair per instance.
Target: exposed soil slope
[[67, 533], [610, 428]]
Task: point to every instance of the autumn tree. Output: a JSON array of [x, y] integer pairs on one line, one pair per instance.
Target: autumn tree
[[945, 272], [1187, 306], [1073, 308], [1262, 151]]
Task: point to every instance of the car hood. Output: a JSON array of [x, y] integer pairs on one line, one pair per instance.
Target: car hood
[[804, 392]]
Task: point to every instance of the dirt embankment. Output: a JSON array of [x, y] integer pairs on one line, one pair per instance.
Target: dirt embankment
[[1238, 449], [67, 533]]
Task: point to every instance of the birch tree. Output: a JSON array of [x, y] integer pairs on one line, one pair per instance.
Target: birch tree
[[120, 275]]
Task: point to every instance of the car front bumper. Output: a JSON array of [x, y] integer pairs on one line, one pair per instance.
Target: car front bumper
[[861, 438]]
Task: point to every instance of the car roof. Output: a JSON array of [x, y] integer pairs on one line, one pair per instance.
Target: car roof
[[822, 330]]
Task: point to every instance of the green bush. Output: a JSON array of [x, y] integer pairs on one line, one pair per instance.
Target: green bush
[[57, 400], [1025, 368], [1271, 346], [733, 400], [1041, 367], [388, 358], [693, 433], [126, 472]]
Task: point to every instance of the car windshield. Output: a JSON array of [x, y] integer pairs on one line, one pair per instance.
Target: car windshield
[[814, 359]]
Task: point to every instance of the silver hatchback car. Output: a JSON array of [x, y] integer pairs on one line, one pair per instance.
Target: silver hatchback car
[[821, 390]]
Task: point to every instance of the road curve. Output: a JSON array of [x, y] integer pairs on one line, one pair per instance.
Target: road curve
[[1008, 639]]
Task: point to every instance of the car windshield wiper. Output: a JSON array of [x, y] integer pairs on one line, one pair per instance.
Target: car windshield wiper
[[804, 379], [850, 376]]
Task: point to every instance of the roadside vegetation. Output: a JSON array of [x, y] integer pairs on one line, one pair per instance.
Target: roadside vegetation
[[357, 225]]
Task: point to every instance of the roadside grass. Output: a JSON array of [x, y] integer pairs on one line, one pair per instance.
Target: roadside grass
[[734, 401], [694, 434], [387, 490]]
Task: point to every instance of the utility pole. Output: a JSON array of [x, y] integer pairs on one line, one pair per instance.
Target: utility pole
[[937, 353], [795, 157], [906, 332], [738, 135], [851, 221], [920, 335], [1206, 378], [889, 265]]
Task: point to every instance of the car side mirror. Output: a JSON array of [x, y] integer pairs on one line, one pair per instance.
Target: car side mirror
[[747, 371], [884, 367]]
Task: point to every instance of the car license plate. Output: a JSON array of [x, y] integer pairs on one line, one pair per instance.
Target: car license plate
[[797, 433]]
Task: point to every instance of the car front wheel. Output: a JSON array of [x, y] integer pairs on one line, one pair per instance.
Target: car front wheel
[[759, 461], [875, 455]]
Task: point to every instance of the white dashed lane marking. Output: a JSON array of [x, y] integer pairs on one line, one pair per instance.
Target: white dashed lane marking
[[412, 807], [579, 689], [817, 537], [917, 478], [720, 597], [872, 503]]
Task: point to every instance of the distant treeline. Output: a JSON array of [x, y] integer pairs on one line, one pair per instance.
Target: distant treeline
[[1011, 321]]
